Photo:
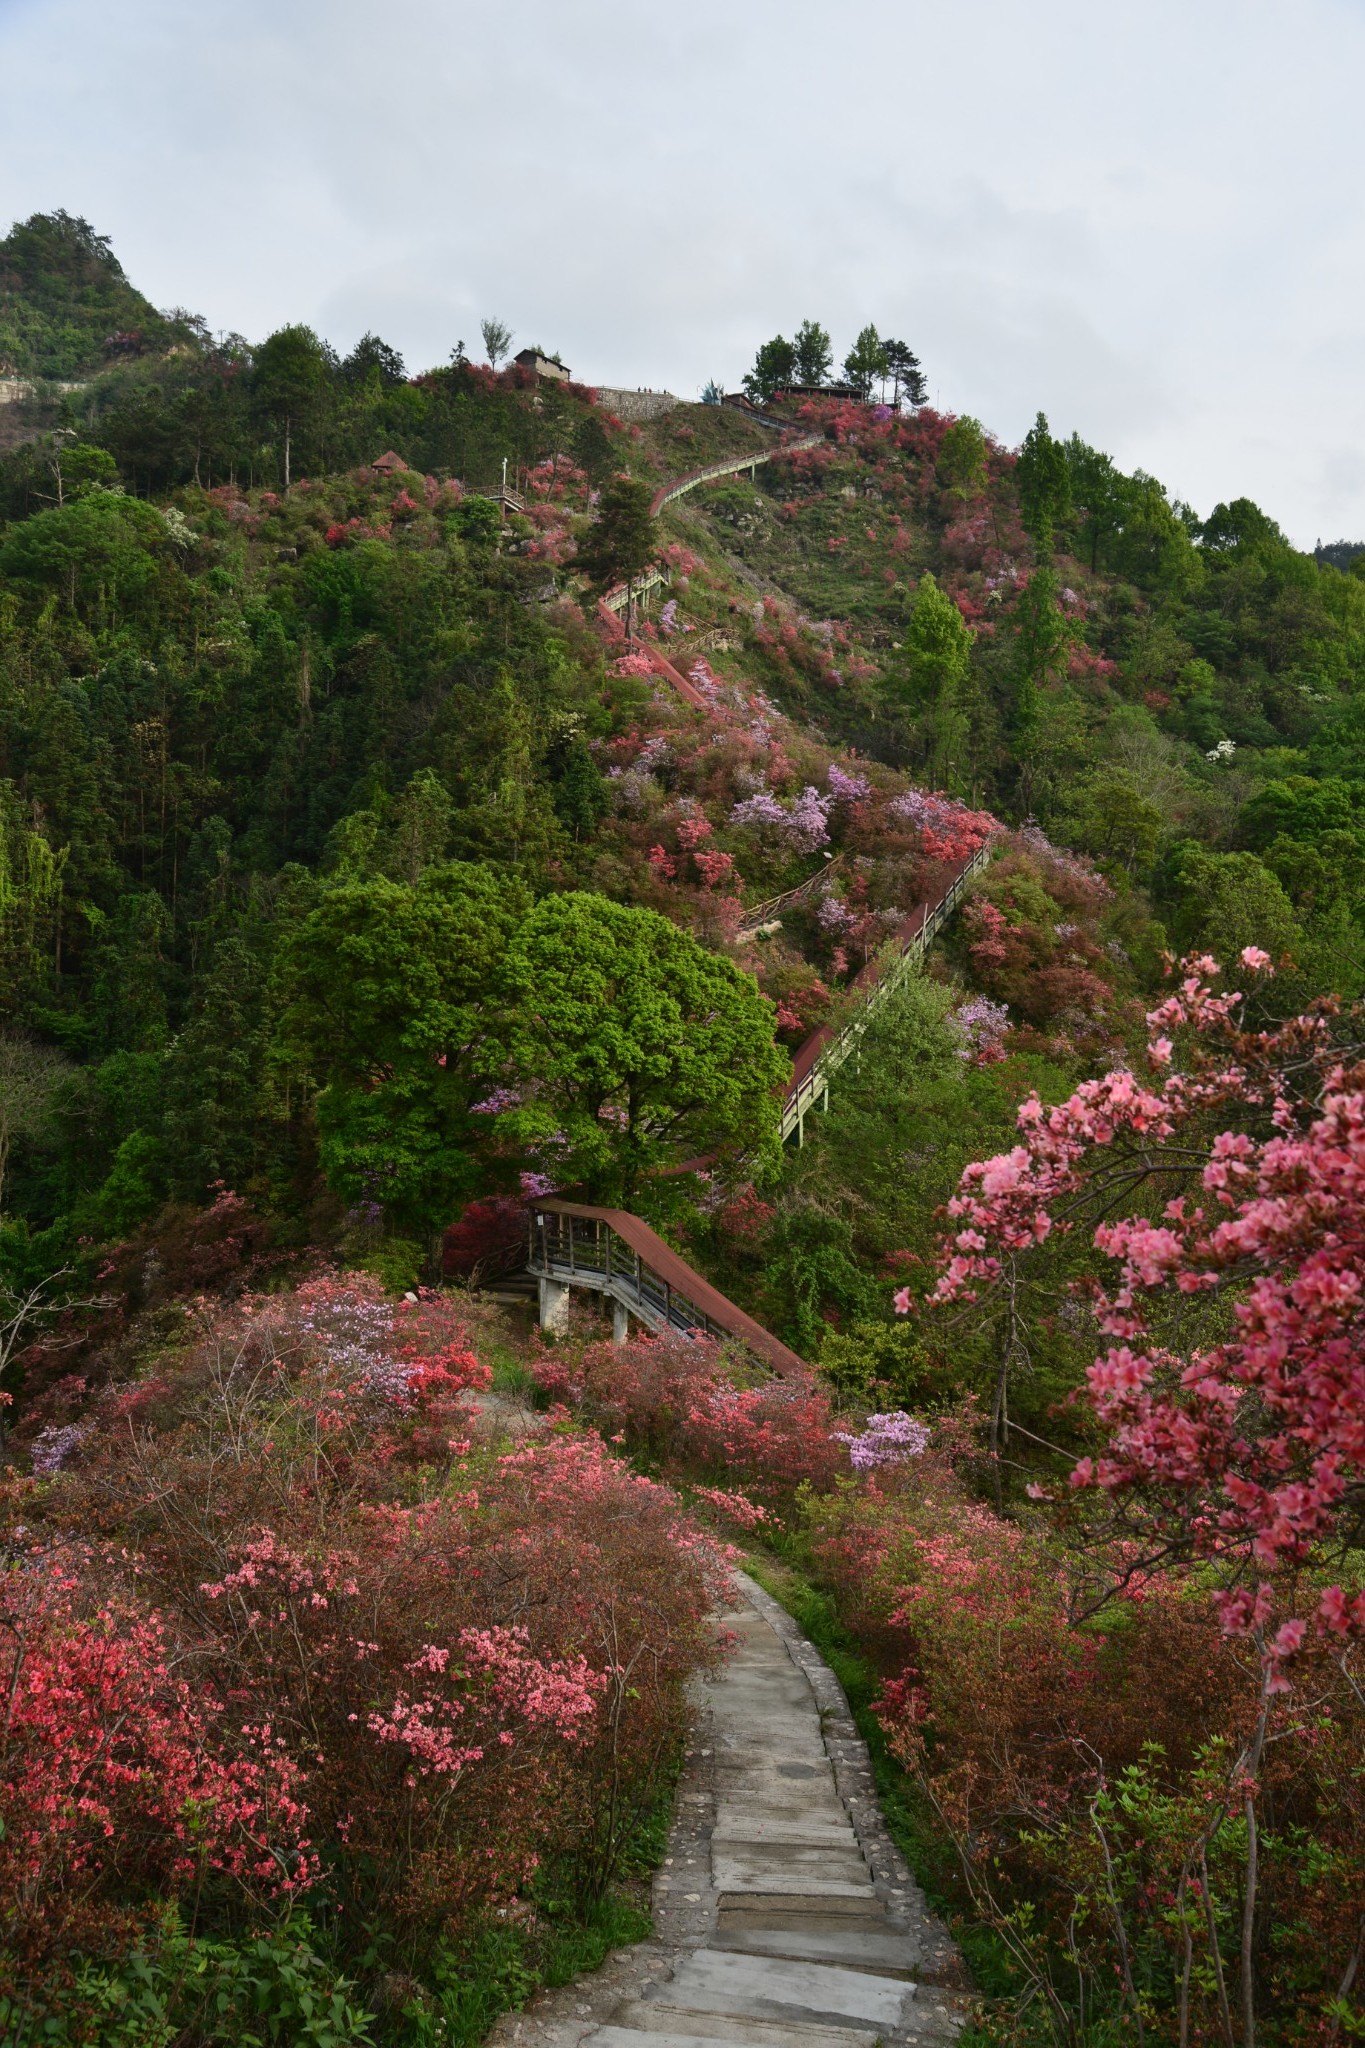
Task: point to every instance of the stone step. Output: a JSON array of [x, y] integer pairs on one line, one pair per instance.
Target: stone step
[[805, 1902], [735, 1825], [643, 2025], [778, 1867], [806, 1937], [763, 1987]]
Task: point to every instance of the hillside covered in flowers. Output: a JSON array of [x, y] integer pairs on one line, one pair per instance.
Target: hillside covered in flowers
[[385, 846]]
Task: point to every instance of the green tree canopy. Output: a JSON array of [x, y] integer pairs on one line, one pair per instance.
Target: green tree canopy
[[934, 666], [100, 551], [636, 1044], [774, 368], [814, 353], [962, 458], [373, 357], [393, 999], [290, 385], [903, 366], [1043, 479], [1231, 900], [622, 541], [866, 361]]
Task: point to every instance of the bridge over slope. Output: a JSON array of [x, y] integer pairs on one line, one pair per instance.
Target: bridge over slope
[[618, 1257]]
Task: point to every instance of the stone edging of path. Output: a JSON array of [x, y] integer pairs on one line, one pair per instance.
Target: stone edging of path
[[686, 1904], [896, 1887]]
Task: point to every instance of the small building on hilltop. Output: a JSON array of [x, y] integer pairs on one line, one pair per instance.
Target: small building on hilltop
[[791, 392], [388, 464], [543, 365]]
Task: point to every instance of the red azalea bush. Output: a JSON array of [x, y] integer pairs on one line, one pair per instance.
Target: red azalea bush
[[487, 1234], [368, 1654], [695, 1409], [120, 1780], [1029, 946]]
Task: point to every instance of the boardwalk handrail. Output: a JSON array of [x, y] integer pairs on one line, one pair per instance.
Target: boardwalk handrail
[[825, 1051], [731, 466], [618, 1254], [760, 913], [617, 597]]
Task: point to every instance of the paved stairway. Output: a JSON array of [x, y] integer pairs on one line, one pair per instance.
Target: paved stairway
[[784, 1913]]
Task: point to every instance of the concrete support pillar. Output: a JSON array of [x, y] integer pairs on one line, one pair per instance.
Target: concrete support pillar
[[620, 1322], [554, 1304]]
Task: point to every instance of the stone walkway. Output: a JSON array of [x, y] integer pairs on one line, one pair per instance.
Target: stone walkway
[[783, 1912]]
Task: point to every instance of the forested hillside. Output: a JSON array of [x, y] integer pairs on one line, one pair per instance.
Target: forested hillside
[[360, 882]]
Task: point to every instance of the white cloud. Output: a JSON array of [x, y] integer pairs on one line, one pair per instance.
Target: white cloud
[[1147, 220]]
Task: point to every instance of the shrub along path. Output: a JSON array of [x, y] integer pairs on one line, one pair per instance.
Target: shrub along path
[[783, 1912]]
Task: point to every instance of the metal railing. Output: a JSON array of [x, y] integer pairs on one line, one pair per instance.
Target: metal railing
[[587, 1252], [894, 964], [616, 598]]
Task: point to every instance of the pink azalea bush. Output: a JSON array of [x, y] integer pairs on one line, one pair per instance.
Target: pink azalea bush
[[288, 1620], [1245, 1449]]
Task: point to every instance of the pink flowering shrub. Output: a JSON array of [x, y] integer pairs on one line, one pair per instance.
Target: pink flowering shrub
[[119, 1776], [696, 1412], [1247, 1447], [1099, 1775], [372, 1654]]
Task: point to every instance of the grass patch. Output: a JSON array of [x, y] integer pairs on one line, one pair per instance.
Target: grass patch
[[466, 1989], [510, 1372]]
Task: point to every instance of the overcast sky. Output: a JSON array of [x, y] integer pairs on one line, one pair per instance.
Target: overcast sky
[[1147, 220]]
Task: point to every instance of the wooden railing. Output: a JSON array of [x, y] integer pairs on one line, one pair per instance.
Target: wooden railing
[[763, 913], [617, 1255], [825, 1051]]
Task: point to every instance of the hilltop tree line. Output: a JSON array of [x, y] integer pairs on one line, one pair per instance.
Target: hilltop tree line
[[809, 358], [169, 403]]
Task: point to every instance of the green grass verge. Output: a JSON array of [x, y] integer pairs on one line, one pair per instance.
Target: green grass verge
[[291, 1989]]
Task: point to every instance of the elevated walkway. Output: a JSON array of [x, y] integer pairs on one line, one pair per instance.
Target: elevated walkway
[[825, 1051], [733, 465], [619, 1257]]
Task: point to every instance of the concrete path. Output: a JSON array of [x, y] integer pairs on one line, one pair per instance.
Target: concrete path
[[783, 1912]]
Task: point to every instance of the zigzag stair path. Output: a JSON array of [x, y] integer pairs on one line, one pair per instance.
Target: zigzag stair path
[[784, 1915]]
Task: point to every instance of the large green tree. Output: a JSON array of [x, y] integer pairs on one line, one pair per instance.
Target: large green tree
[[393, 1001], [961, 463], [1043, 479], [622, 542], [866, 361], [291, 386], [635, 1047], [935, 663], [813, 352], [774, 368]]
